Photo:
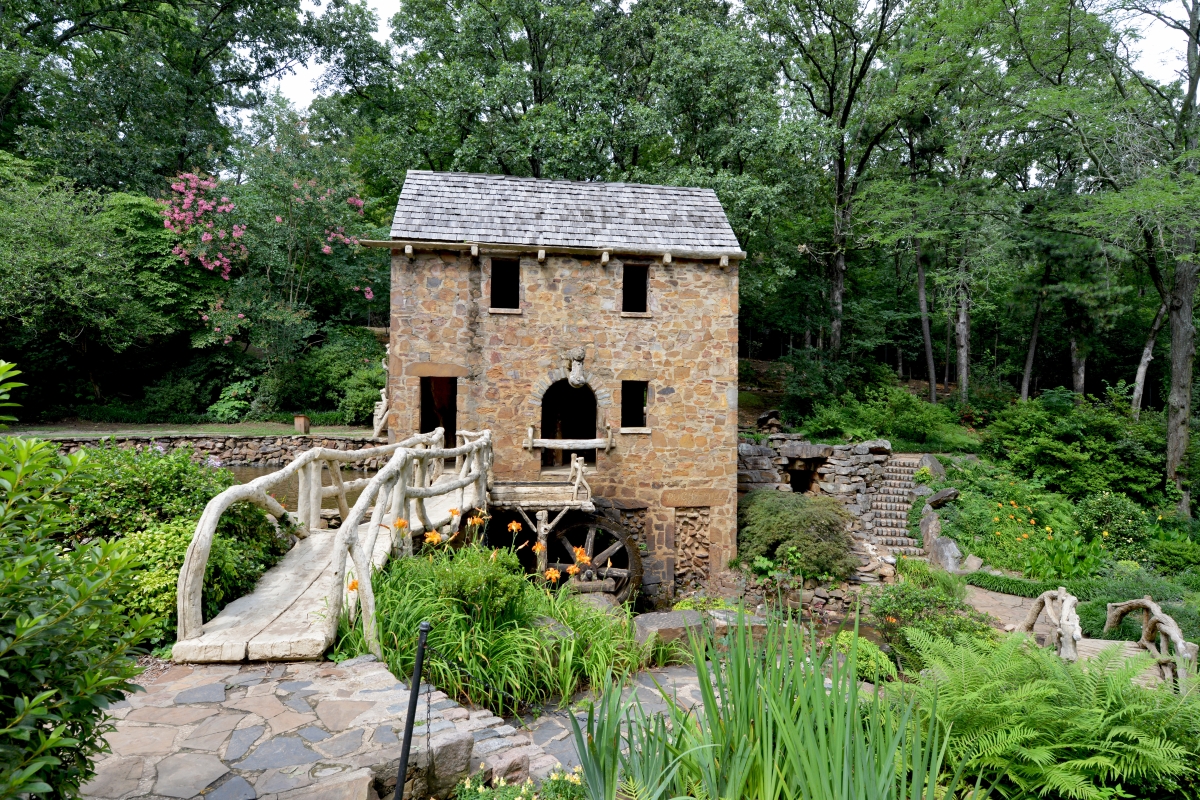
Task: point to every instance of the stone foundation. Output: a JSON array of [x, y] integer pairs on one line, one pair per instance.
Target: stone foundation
[[232, 451]]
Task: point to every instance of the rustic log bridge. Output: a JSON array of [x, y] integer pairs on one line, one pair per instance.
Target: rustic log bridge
[[1059, 606], [412, 476], [1160, 633]]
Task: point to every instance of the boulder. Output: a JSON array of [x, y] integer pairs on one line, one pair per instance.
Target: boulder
[[878, 447], [802, 450], [667, 626], [931, 462], [972, 564], [554, 630], [942, 496], [931, 528], [725, 620], [766, 417], [920, 491], [601, 601], [944, 553]]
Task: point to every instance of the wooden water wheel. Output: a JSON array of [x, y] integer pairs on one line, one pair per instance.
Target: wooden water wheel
[[605, 553]]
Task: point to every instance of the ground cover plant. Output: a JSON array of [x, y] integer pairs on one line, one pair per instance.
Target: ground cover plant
[[150, 499], [1034, 725], [492, 641], [804, 535], [559, 785], [893, 413], [66, 641]]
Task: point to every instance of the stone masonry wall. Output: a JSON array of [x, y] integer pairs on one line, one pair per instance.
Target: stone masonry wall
[[233, 451], [685, 346]]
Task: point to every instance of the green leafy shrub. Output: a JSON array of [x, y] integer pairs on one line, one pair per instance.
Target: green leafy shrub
[[809, 532], [929, 609], [234, 566], [1174, 557], [517, 660], [891, 413], [927, 577], [872, 664], [1064, 556], [1039, 726], [65, 639], [318, 380], [234, 402], [1118, 521], [1082, 446], [923, 476], [357, 406], [701, 603], [131, 489]]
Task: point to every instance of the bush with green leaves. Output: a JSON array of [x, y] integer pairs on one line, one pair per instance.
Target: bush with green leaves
[[808, 533], [66, 641], [1035, 725], [234, 566], [888, 412], [488, 644], [1123, 525], [929, 608], [872, 664], [320, 379], [152, 499], [130, 489], [233, 402], [1082, 446], [1174, 557]]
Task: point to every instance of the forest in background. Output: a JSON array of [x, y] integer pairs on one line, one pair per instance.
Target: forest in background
[[991, 192]]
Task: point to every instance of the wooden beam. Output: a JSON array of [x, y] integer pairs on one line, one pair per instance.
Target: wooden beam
[[516, 249], [541, 256], [604, 259], [666, 258]]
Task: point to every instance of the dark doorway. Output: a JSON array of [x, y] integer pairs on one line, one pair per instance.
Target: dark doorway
[[802, 473], [439, 406], [568, 413]]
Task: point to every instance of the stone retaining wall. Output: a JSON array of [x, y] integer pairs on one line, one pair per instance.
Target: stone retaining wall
[[232, 451]]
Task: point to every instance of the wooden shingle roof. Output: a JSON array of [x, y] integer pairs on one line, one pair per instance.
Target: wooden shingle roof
[[622, 217]]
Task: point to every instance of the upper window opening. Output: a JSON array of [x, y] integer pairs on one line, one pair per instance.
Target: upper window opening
[[506, 283], [635, 288], [633, 403]]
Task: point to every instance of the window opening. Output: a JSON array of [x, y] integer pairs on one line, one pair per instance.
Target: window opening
[[568, 413], [635, 288], [439, 407], [506, 283], [802, 473], [633, 403]]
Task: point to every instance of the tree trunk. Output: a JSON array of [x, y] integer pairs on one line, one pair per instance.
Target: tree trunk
[[1183, 355], [1078, 366], [931, 367], [962, 332], [1033, 339], [838, 289], [946, 374], [1139, 383]]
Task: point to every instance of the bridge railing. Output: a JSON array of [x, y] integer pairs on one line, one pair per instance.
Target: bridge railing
[[414, 474]]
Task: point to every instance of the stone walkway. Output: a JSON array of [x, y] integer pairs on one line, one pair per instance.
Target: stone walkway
[[1009, 609], [287, 731]]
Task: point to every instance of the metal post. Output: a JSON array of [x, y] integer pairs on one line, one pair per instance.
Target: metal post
[[413, 695]]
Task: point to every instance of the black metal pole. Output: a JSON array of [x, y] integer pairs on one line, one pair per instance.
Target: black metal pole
[[414, 693]]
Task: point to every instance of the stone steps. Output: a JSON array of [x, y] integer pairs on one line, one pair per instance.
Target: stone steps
[[891, 506]]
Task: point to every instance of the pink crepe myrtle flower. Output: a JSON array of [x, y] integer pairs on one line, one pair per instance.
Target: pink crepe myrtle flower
[[367, 293], [204, 317], [241, 316], [216, 330], [228, 339], [278, 218], [326, 249]]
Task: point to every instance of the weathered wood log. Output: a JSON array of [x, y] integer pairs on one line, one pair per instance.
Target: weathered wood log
[[1066, 632], [1160, 633]]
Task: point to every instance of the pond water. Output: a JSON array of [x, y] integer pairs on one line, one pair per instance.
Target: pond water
[[289, 491]]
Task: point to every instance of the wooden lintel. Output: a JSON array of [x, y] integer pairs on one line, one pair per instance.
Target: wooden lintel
[[515, 249]]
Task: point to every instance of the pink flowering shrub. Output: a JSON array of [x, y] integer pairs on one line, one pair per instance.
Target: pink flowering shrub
[[204, 224]]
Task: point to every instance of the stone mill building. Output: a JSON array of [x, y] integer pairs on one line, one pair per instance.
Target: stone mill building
[[558, 311]]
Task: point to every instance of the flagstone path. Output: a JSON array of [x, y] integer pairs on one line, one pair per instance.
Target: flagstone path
[[294, 731]]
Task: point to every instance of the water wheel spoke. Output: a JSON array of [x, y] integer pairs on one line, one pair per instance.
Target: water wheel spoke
[[590, 543], [613, 572], [561, 567], [609, 552]]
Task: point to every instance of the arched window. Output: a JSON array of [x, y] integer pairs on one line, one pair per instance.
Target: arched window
[[568, 413]]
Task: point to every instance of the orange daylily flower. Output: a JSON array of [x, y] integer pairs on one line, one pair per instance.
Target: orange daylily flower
[[353, 585], [400, 524], [514, 527], [538, 547], [572, 570], [433, 537], [454, 512], [552, 574], [581, 556]]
